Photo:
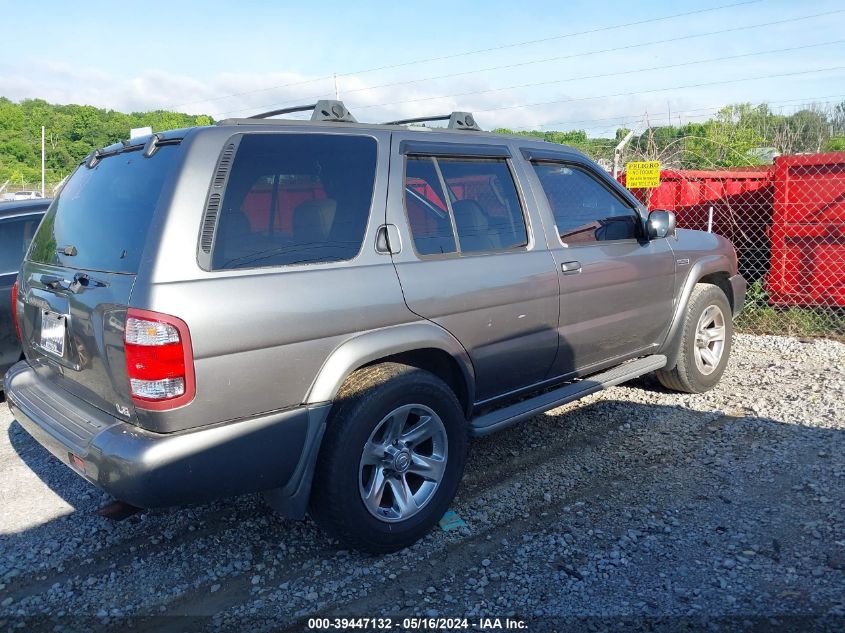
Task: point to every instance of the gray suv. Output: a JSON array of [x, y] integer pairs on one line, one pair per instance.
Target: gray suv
[[325, 310]]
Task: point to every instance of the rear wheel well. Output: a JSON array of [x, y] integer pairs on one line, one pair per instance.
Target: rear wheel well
[[439, 363], [722, 281]]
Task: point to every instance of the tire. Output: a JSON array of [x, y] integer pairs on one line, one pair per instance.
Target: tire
[[368, 411], [694, 371]]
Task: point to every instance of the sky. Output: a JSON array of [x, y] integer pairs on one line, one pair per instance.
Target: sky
[[541, 65]]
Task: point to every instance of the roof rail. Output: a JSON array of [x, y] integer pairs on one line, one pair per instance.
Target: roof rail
[[457, 121], [323, 110]]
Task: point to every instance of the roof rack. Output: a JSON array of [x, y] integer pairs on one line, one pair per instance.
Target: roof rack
[[457, 121], [323, 110]]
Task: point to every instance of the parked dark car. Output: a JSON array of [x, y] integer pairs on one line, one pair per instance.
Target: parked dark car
[[18, 221]]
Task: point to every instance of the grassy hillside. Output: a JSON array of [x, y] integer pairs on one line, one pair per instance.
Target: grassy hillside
[[72, 131]]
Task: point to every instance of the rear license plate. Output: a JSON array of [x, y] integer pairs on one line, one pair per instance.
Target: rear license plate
[[53, 333]]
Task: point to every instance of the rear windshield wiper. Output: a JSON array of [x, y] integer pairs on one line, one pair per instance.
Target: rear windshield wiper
[[149, 148]]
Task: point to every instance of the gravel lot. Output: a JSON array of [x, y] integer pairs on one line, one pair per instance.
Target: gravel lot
[[633, 508]]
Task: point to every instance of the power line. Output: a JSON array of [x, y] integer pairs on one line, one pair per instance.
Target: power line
[[552, 59], [474, 52], [639, 92], [613, 74], [707, 110]]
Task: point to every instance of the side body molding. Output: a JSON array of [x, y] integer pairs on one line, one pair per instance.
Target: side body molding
[[375, 344], [706, 265]]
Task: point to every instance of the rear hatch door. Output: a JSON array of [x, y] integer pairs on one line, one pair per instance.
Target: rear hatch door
[[78, 275]]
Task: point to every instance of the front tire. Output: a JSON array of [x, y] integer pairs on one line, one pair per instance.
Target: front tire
[[705, 345], [391, 460]]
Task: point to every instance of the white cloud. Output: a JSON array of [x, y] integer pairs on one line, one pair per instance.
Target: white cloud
[[568, 105]]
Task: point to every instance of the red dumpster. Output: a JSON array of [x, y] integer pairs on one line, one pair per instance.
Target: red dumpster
[[808, 231], [741, 199]]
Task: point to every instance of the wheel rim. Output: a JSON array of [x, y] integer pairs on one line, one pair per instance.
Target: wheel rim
[[403, 463], [709, 340]]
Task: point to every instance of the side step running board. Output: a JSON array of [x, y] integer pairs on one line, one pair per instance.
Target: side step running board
[[511, 414]]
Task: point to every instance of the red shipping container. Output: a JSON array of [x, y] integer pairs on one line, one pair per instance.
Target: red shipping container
[[808, 232]]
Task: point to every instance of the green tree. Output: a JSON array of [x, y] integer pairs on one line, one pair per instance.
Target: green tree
[[72, 132]]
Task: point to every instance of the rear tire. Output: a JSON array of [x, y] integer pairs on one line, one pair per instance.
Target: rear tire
[[705, 346], [391, 459]]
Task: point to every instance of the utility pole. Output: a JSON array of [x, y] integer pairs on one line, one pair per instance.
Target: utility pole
[[617, 152], [336, 91], [43, 188]]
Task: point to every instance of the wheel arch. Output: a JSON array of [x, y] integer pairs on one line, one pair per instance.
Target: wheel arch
[[721, 280], [712, 269], [423, 345]]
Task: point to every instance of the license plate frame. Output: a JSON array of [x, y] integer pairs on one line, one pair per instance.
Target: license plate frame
[[53, 333]]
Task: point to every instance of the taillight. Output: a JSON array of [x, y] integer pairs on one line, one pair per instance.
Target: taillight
[[15, 309], [159, 360]]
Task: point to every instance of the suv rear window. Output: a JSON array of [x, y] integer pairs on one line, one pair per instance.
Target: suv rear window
[[295, 199], [104, 212]]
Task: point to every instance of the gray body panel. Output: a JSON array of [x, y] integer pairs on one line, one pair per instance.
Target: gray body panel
[[272, 346]]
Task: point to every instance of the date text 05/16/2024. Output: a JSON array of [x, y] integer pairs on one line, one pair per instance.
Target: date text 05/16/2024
[[420, 624]]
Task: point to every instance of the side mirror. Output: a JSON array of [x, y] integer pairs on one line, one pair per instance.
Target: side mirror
[[661, 224]]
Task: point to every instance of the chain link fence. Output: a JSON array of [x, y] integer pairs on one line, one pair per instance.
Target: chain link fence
[[787, 223]]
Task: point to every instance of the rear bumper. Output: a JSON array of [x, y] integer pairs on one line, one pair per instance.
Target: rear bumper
[[738, 288], [149, 469]]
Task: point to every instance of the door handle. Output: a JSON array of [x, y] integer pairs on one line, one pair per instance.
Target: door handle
[[388, 241], [570, 268]]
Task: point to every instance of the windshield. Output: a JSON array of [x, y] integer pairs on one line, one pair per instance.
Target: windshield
[[101, 218]]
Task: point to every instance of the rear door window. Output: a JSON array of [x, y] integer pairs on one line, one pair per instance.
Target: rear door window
[[479, 210], [295, 199], [485, 204], [428, 214], [103, 214]]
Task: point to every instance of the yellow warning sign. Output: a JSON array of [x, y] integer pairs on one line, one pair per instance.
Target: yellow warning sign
[[642, 174]]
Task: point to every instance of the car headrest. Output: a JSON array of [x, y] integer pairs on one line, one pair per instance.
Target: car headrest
[[313, 219], [469, 216]]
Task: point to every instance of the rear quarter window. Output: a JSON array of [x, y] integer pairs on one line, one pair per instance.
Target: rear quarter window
[[295, 199]]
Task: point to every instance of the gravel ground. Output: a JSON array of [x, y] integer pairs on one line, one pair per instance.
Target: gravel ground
[[635, 508]]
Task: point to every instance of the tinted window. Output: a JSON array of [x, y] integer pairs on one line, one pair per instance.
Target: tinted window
[[485, 204], [15, 236], [428, 213], [105, 212], [295, 199], [480, 194], [585, 210]]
